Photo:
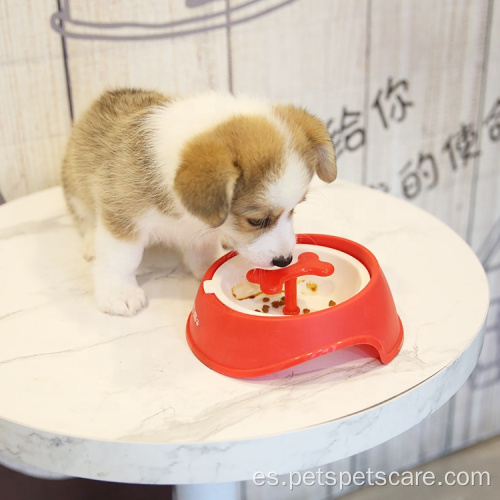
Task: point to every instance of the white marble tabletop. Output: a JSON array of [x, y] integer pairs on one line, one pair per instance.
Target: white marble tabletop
[[124, 399]]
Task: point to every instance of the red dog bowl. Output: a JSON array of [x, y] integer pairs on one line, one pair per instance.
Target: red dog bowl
[[243, 324]]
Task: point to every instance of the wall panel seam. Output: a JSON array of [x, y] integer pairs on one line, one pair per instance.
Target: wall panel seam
[[67, 75], [364, 169], [480, 113]]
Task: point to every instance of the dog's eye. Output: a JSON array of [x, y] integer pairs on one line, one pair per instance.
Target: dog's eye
[[260, 223]]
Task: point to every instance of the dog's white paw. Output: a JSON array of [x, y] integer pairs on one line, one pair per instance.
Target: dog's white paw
[[124, 300]]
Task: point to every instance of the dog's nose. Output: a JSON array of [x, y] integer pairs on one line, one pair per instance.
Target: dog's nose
[[282, 261]]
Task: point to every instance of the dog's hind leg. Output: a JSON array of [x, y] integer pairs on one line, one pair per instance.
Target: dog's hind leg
[[85, 222]]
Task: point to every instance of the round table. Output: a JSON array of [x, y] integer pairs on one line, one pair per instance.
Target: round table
[[124, 399]]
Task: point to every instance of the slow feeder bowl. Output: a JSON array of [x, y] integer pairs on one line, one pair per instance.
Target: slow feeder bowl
[[338, 298]]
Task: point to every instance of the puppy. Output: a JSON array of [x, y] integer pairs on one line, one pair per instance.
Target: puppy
[[204, 173]]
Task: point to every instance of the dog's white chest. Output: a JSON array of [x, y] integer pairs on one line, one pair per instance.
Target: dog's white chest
[[156, 227]]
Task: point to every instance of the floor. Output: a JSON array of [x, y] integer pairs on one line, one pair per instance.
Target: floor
[[482, 457]]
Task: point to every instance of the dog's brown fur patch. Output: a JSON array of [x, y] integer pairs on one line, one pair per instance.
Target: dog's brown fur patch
[[230, 161], [108, 154], [311, 140]]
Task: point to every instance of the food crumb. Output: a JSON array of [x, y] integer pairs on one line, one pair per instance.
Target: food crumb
[[305, 311], [312, 286], [275, 304], [265, 308], [257, 310], [332, 303], [265, 299]]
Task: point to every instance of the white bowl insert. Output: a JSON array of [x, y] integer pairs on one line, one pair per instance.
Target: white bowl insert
[[314, 293]]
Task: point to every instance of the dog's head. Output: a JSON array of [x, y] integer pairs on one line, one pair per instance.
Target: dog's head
[[247, 175]]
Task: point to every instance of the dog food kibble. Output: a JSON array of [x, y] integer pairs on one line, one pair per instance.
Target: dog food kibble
[[247, 290]]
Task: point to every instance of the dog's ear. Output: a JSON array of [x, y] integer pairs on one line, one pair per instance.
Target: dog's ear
[[206, 178], [325, 164]]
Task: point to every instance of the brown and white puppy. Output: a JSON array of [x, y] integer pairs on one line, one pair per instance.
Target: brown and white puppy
[[200, 173]]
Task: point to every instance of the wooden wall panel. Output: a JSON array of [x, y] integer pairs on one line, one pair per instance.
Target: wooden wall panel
[[34, 121], [486, 201], [478, 407], [173, 64], [311, 54], [415, 112], [425, 85]]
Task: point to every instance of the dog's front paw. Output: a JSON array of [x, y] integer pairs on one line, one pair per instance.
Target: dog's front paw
[[124, 300]]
